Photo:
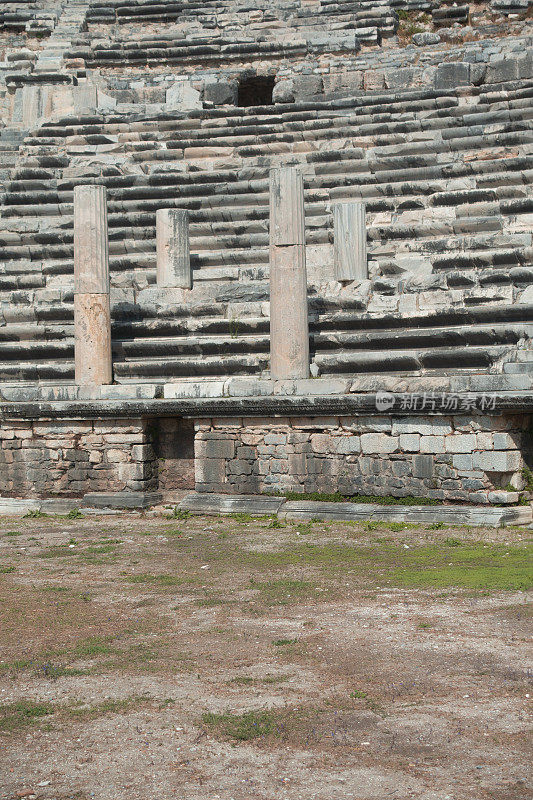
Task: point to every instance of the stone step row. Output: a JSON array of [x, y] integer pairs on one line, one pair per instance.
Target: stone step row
[[430, 100], [383, 108], [507, 178], [451, 237], [237, 340], [431, 107]]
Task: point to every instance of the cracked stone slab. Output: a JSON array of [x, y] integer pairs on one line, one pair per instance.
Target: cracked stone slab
[[16, 505], [231, 504], [451, 515], [121, 499]]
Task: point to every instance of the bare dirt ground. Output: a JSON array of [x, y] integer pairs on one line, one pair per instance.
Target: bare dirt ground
[[218, 658]]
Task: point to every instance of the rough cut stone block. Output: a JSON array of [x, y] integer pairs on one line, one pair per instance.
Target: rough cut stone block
[[210, 470], [350, 255], [498, 461], [215, 448], [379, 443], [504, 441], [199, 503], [122, 499], [451, 515], [14, 505], [463, 463], [172, 244], [410, 442], [423, 466], [460, 443], [432, 444], [193, 389], [452, 74], [349, 444]]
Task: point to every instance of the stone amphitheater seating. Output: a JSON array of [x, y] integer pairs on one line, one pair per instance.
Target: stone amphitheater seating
[[446, 176]]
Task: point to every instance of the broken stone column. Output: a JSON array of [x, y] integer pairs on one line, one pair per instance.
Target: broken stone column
[[289, 330], [172, 244], [349, 221], [33, 102], [92, 317]]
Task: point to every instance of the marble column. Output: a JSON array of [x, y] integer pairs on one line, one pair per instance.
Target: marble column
[[172, 244], [289, 329], [349, 220], [92, 317]]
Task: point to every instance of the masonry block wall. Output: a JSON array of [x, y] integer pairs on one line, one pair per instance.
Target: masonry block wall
[[444, 458], [72, 457], [174, 445]]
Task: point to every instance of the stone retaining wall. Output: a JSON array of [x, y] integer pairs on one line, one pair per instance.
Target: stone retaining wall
[[72, 457], [444, 458]]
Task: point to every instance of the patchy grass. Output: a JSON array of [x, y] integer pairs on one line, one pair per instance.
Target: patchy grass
[[243, 727], [464, 565], [21, 713], [337, 497], [285, 590], [163, 581], [467, 566], [267, 680], [199, 604]]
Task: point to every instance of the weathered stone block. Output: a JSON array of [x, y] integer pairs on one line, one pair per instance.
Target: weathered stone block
[[498, 461], [379, 443], [423, 466], [461, 443], [432, 444], [410, 442]]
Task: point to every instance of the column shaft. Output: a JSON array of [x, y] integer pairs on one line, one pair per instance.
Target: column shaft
[[349, 221], [92, 316], [173, 253], [289, 329]]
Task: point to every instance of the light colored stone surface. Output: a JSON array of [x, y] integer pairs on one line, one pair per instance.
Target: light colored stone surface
[[183, 97], [289, 330], [287, 214], [454, 515], [91, 256], [225, 504], [350, 249], [92, 315], [193, 389], [173, 251], [92, 339]]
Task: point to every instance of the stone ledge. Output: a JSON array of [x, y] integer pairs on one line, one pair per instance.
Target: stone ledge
[[275, 405], [260, 505], [249, 387], [307, 510], [453, 514], [198, 503], [120, 500]]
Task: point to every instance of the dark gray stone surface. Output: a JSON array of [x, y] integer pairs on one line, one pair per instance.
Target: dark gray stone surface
[[121, 499], [231, 504]]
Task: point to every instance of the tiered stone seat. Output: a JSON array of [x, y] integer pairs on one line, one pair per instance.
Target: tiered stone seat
[[215, 29], [449, 201], [32, 16]]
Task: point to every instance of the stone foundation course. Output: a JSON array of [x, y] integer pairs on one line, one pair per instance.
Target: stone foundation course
[[475, 459], [69, 458]]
